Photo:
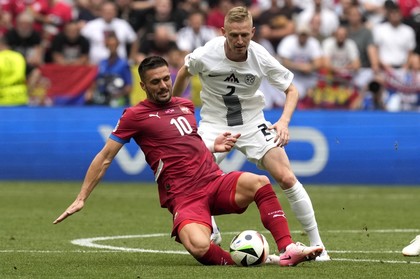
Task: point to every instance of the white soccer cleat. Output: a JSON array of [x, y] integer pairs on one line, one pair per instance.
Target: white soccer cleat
[[413, 249], [297, 252], [324, 257], [216, 237]]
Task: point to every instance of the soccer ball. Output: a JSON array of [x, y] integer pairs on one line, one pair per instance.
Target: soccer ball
[[249, 248]]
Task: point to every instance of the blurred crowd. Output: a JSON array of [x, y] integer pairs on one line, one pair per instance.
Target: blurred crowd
[[345, 54]]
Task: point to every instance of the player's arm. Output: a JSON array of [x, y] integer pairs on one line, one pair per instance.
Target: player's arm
[[181, 81], [224, 142], [94, 174], [282, 125]]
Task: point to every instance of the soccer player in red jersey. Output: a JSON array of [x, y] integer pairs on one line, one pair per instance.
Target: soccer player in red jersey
[[191, 185]]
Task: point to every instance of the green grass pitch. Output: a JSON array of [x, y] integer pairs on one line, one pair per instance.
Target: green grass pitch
[[364, 228]]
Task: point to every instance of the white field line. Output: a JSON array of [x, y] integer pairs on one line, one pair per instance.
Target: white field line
[[90, 242]]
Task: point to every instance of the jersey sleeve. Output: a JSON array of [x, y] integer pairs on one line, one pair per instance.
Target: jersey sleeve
[[192, 61], [276, 74], [125, 128]]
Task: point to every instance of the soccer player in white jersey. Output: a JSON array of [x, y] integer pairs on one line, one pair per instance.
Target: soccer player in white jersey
[[230, 68]]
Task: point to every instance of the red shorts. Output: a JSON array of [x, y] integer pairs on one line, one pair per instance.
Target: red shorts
[[217, 198]]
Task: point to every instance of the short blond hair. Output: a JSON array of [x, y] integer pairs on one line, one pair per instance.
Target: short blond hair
[[238, 14]]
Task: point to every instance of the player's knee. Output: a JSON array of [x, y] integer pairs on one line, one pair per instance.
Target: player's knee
[[198, 246], [263, 180], [286, 180]]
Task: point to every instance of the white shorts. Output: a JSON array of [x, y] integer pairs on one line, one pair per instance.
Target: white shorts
[[255, 140]]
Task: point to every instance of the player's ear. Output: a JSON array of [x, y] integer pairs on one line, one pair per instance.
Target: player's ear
[[142, 85]]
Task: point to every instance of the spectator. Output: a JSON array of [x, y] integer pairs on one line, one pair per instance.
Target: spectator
[[362, 36], [143, 5], [216, 15], [175, 59], [24, 39], [341, 56], [328, 19], [342, 9], [396, 58], [58, 14], [277, 22], [13, 90], [126, 11], [97, 30], [375, 97], [393, 53], [302, 54], [70, 47], [39, 10], [114, 80], [87, 10], [9, 10], [189, 6], [341, 62], [163, 14], [160, 42], [374, 11], [196, 34]]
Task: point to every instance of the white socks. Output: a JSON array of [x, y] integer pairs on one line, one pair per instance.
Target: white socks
[[301, 205]]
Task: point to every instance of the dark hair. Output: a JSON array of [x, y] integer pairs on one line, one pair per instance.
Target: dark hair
[[150, 63]]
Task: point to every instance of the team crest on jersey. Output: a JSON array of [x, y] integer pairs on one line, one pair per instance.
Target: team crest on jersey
[[185, 110], [249, 79]]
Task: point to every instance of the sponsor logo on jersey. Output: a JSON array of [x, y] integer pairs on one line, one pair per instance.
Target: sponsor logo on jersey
[[154, 115], [216, 75], [249, 79], [232, 78]]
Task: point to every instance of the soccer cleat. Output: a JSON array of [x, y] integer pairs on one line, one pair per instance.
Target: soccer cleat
[[297, 252], [324, 257], [216, 237], [272, 259], [413, 249]]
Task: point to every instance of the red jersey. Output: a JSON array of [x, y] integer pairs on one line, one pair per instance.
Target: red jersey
[[167, 135]]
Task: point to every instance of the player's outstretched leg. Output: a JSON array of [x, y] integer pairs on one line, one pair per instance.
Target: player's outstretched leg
[[274, 219], [413, 249], [301, 205], [277, 164], [216, 236]]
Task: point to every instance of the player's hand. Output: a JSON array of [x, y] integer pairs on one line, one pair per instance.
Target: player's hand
[[225, 142], [282, 133], [76, 206]]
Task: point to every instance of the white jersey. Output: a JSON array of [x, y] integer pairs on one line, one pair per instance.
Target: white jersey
[[96, 30], [230, 94]]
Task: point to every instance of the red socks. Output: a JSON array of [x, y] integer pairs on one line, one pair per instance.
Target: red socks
[[216, 256], [272, 216]]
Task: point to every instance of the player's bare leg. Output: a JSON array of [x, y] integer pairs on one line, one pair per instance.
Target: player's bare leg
[[196, 240]]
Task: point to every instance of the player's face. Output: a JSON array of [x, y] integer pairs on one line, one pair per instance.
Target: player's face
[[158, 85], [238, 36]]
